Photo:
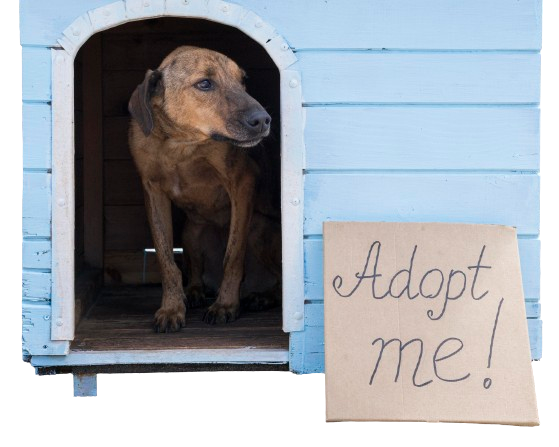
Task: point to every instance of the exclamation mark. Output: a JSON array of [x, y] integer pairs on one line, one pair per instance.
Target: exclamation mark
[[487, 381]]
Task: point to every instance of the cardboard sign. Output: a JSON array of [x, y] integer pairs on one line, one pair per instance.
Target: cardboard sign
[[425, 322]]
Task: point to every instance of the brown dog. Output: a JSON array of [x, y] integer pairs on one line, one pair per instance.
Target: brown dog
[[192, 122]]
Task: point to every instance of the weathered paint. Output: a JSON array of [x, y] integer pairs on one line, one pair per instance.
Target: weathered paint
[[36, 213], [36, 285], [412, 106], [85, 385], [63, 196], [244, 355], [36, 332], [36, 254]]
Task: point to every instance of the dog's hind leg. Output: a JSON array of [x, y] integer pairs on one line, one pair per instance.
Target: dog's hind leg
[[193, 255], [265, 246]]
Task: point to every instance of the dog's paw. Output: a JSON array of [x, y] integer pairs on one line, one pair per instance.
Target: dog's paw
[[170, 319], [222, 313], [194, 296], [259, 301]]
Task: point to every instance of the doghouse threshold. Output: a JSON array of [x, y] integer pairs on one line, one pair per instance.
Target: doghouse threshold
[[178, 356]]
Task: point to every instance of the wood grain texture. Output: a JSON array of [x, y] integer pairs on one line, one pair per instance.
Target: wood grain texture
[[127, 266], [36, 339], [36, 285], [85, 385], [88, 286], [529, 250], [306, 349], [122, 319], [117, 89], [292, 201], [115, 138], [142, 45], [37, 136], [122, 183], [37, 254], [404, 24], [36, 213], [63, 194], [446, 197], [422, 138], [441, 78], [169, 360], [36, 72], [126, 228], [79, 185], [78, 240], [93, 151]]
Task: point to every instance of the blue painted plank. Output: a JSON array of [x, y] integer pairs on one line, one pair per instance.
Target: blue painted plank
[[36, 285], [36, 72], [36, 254], [533, 309], [36, 331], [314, 313], [422, 138], [297, 351], [441, 78], [85, 385], [42, 23], [306, 348], [405, 24], [37, 136], [401, 24], [36, 204], [529, 250], [535, 332], [165, 356], [466, 198]]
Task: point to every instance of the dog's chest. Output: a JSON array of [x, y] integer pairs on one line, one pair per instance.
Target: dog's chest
[[196, 188]]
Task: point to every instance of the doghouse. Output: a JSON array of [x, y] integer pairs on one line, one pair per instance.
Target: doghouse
[[383, 110]]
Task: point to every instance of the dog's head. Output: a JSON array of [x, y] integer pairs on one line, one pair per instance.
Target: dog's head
[[196, 94]]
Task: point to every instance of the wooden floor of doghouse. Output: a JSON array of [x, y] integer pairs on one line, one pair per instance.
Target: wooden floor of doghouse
[[121, 319]]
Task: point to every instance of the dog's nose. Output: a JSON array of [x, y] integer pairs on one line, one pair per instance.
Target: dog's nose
[[258, 121]]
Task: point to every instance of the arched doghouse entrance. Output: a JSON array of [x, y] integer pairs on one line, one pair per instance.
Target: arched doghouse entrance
[[166, 17]]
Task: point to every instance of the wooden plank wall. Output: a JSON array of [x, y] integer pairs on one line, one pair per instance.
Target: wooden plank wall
[[439, 128], [79, 161], [128, 51], [402, 99]]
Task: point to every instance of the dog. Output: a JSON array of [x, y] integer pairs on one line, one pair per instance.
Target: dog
[[192, 127]]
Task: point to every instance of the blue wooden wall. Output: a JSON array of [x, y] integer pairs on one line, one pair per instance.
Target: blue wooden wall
[[415, 110]]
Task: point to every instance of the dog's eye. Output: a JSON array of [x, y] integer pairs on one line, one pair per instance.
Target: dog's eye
[[204, 85]]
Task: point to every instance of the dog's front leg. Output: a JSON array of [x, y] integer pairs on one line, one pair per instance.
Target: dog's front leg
[[171, 314], [226, 307]]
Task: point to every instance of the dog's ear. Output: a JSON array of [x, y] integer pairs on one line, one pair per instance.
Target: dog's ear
[[139, 105]]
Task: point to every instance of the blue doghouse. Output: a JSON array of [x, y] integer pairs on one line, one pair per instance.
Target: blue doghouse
[[385, 110]]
